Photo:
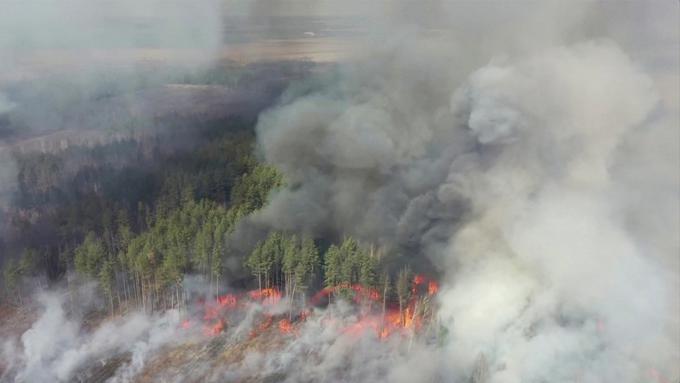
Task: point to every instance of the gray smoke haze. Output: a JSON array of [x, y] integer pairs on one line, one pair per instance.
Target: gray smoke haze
[[55, 53], [61, 61], [535, 164]]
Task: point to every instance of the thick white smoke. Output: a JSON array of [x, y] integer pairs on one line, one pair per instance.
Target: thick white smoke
[[538, 183], [551, 283], [59, 348]]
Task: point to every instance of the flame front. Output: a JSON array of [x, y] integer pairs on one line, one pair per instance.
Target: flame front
[[383, 320]]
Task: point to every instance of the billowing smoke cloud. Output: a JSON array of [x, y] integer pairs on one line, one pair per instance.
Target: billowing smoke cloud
[[537, 182]]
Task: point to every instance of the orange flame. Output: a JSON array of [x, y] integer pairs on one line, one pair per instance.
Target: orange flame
[[210, 313], [360, 293], [432, 288], [389, 323], [227, 300], [368, 323], [262, 327], [267, 296], [285, 327], [408, 317], [215, 329]]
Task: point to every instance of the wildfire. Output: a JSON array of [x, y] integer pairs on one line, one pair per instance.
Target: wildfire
[[384, 321], [215, 329], [385, 333], [266, 296], [210, 313], [394, 321], [408, 317], [228, 300], [285, 326], [432, 287], [262, 327], [359, 293], [367, 323]]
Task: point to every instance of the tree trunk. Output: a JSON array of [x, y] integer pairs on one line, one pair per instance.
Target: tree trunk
[[402, 318], [384, 302], [111, 302], [143, 294], [290, 310]]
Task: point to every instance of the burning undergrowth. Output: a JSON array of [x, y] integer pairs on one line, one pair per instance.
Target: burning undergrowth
[[232, 337], [259, 336], [265, 309]]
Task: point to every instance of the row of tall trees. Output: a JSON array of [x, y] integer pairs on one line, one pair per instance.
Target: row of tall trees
[[295, 265], [285, 262], [349, 264], [147, 268]]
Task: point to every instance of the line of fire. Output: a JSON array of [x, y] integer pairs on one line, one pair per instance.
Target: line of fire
[[376, 313]]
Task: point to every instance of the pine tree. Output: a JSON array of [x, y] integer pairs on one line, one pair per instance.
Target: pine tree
[[349, 254], [308, 264], [106, 281], [216, 259], [89, 256], [332, 267], [255, 263], [367, 270], [386, 289], [124, 232], [289, 264], [202, 250], [275, 249]]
